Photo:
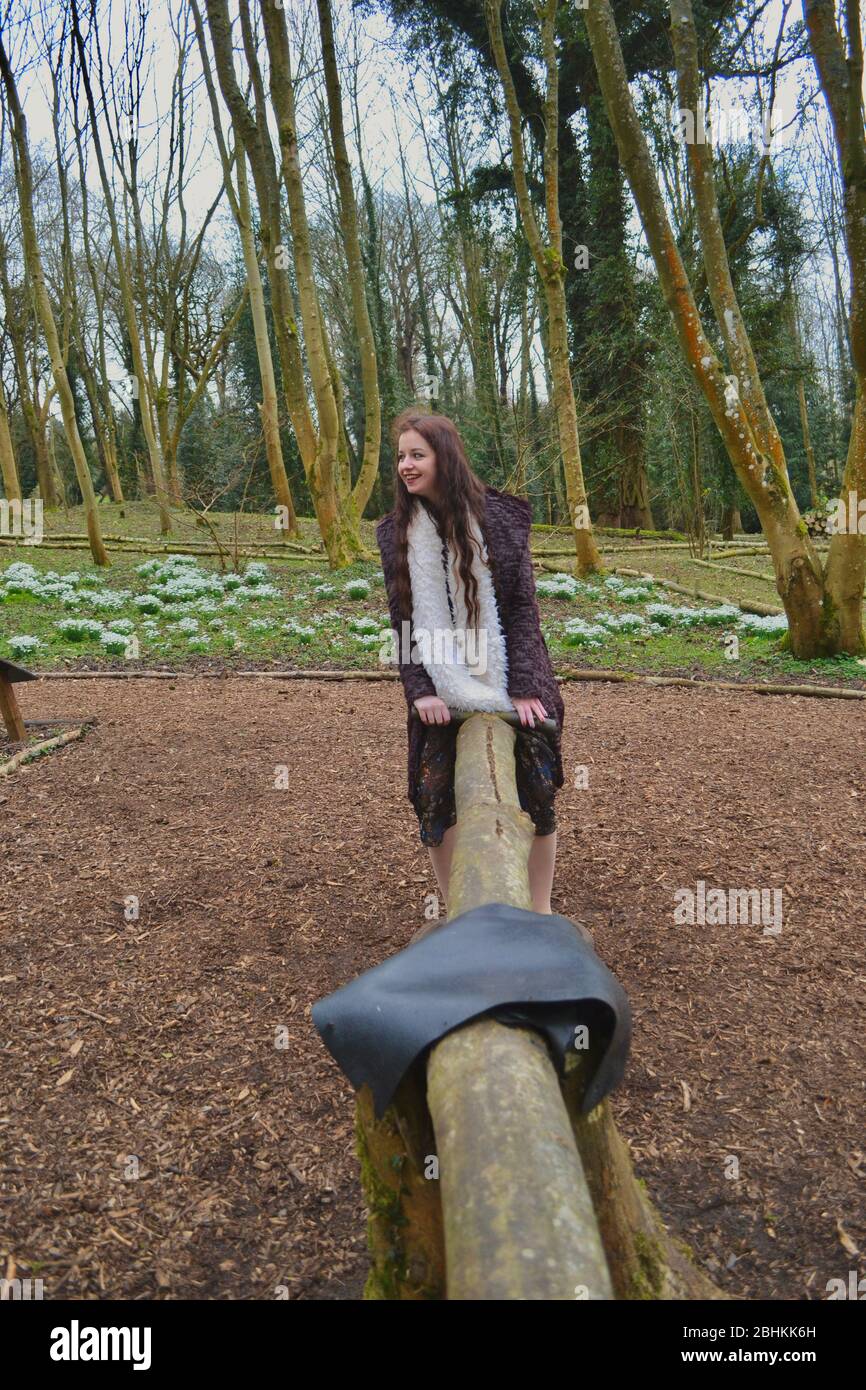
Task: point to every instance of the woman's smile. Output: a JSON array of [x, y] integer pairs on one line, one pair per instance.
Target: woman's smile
[[416, 463]]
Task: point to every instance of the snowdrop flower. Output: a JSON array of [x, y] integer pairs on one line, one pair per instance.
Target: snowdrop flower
[[114, 642], [22, 644]]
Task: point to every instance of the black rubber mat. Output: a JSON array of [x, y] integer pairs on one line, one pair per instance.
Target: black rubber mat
[[495, 961]]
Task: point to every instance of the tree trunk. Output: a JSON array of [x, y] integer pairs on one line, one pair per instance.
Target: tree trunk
[[357, 286], [549, 262], [14, 301], [841, 80], [56, 474], [318, 451], [103, 428], [339, 528], [634, 500], [269, 408], [737, 404], [46, 314], [8, 466], [131, 320]]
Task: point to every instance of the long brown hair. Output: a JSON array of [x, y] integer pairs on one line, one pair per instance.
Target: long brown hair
[[460, 491]]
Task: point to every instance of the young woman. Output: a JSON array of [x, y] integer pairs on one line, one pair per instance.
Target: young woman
[[455, 556]]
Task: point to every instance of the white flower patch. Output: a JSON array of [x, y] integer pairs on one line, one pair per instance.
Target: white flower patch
[[258, 593], [53, 585], [707, 617], [559, 585], [620, 622], [78, 629], [188, 624], [109, 600], [19, 570], [304, 634], [198, 642], [256, 572], [149, 567], [322, 591], [634, 593], [147, 603], [260, 624], [114, 642], [769, 624], [579, 633], [23, 645], [663, 614], [357, 588], [122, 625], [365, 625], [180, 579], [668, 615], [21, 578], [185, 587]]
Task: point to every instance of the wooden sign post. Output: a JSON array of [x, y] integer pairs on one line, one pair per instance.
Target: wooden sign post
[[10, 675]]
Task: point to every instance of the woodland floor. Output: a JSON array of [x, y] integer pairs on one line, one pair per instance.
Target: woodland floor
[[157, 1144]]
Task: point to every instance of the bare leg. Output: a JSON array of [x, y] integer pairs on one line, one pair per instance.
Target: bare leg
[[440, 856], [542, 862]]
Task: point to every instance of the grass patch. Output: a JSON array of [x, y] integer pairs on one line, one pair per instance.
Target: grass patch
[[305, 617]]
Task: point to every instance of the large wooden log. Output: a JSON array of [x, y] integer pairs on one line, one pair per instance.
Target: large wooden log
[[518, 1216], [537, 1201]]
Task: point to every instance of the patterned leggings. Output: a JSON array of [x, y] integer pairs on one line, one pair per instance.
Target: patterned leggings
[[535, 767]]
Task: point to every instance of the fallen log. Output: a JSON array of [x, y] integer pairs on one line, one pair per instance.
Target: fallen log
[[761, 609], [37, 750]]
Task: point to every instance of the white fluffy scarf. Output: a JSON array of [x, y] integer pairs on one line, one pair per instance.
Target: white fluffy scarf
[[470, 673]]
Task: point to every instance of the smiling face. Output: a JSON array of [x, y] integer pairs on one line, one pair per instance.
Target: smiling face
[[416, 464]]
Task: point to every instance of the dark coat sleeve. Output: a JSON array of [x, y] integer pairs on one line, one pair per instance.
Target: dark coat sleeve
[[523, 625], [416, 682]]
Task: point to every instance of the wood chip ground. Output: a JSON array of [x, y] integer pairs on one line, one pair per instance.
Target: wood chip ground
[[156, 1141]]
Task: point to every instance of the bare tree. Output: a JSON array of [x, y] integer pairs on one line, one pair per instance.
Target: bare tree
[[318, 443], [357, 285], [242, 212], [736, 400], [142, 376], [841, 79], [24, 179], [547, 255]]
